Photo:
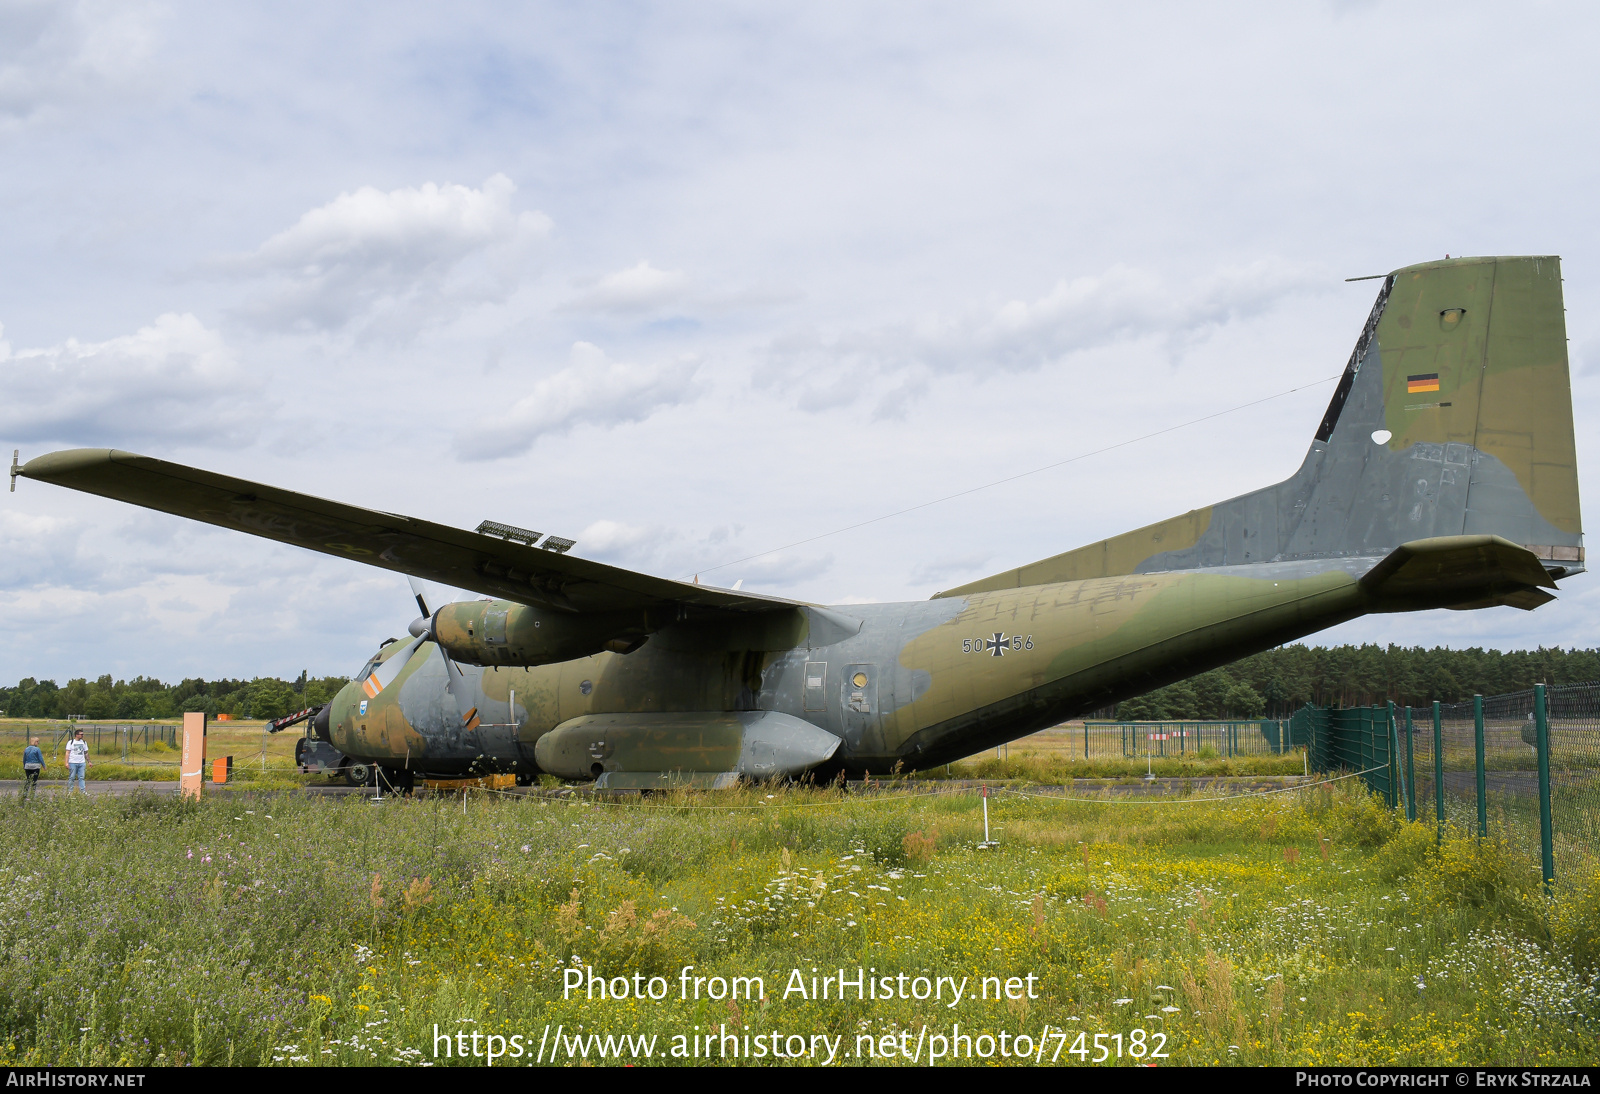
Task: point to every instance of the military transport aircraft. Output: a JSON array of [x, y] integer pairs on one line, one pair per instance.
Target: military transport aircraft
[[1442, 475]]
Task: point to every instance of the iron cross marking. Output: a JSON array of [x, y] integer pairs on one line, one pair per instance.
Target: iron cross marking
[[998, 645]]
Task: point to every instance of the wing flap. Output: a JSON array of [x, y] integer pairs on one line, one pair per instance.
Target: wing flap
[[420, 548]]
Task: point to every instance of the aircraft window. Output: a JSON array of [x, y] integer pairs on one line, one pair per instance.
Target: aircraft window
[[1381, 436]]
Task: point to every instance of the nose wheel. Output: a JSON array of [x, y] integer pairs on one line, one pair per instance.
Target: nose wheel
[[358, 774]]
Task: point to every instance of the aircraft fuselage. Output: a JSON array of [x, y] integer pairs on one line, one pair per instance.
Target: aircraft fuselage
[[917, 683]]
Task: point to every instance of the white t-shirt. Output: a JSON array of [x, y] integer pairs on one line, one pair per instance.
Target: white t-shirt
[[77, 752]]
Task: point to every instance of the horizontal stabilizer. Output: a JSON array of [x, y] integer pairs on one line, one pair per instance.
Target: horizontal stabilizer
[[1458, 572]]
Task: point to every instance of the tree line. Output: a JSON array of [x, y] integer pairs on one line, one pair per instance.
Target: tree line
[[1271, 684], [144, 697], [1276, 683]]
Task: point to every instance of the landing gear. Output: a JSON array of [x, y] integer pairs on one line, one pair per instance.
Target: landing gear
[[395, 779], [357, 773]]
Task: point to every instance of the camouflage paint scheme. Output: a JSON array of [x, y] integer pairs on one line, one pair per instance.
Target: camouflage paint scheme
[[1443, 475]]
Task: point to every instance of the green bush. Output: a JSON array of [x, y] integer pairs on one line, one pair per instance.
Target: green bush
[[1412, 847]]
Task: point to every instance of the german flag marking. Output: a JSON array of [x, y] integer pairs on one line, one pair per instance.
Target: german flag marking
[[1428, 381]]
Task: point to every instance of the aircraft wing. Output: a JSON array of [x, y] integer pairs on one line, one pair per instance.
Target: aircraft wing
[[466, 560]]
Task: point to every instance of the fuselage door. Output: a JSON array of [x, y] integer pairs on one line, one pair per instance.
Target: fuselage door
[[815, 689]]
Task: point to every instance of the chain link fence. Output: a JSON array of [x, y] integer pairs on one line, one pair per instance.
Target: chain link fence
[[104, 740], [1523, 767], [1198, 739]]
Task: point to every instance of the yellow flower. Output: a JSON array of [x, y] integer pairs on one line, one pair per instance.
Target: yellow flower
[[323, 999], [362, 1007]]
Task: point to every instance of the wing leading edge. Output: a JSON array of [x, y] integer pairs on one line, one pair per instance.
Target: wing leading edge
[[420, 548]]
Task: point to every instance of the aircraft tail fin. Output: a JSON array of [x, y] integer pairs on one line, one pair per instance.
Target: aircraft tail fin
[[1453, 418]]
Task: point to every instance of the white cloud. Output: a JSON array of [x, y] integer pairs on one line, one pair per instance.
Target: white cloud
[[778, 571], [1085, 313], [638, 288], [54, 53], [609, 538], [405, 257], [939, 570], [172, 380], [593, 390], [38, 549]]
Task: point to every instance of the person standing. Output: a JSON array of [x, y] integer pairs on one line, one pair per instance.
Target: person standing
[[77, 760], [32, 765]]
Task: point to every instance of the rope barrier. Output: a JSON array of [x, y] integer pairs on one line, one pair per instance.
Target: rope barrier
[[588, 798], [1198, 801]]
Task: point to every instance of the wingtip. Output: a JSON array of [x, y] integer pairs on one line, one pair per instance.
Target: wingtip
[[53, 466]]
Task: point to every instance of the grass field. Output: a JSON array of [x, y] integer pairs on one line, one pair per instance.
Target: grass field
[[1051, 756], [1304, 928], [257, 755]]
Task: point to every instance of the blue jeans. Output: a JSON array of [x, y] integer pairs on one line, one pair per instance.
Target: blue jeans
[[75, 771]]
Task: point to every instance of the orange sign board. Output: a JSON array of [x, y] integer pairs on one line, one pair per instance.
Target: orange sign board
[[191, 770]]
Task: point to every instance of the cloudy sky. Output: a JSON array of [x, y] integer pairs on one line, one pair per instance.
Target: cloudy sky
[[690, 283]]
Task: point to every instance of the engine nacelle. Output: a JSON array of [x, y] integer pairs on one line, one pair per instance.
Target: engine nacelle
[[501, 632]]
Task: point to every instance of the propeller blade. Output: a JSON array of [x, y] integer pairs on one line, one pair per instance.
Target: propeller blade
[[454, 678], [385, 674], [455, 684], [416, 591]]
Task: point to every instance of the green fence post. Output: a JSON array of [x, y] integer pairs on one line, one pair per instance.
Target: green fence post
[[1086, 740], [1483, 782], [1369, 749], [1391, 740], [1438, 771], [1541, 716], [1411, 770]]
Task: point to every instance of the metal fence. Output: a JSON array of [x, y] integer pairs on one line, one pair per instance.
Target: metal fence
[[1352, 739], [103, 739], [1523, 767], [1216, 739]]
